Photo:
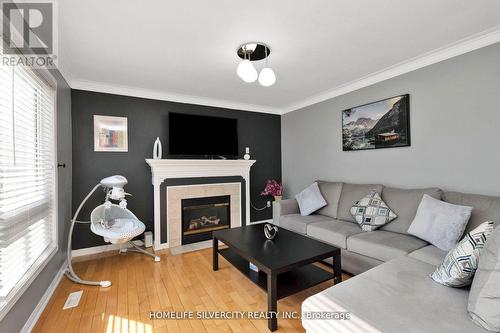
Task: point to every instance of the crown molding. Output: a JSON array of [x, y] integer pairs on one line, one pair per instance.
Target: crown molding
[[168, 96], [474, 42], [64, 73]]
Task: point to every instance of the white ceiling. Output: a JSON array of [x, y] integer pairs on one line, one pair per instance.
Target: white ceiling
[[186, 50]]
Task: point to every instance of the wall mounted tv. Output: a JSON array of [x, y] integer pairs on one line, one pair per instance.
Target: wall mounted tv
[[195, 136]]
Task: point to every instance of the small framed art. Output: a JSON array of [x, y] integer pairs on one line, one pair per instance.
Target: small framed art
[[110, 134]]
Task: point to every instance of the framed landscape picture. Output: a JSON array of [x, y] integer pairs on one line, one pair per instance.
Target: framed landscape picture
[[382, 124], [110, 134]]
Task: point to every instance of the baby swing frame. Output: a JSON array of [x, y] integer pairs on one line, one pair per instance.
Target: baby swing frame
[[70, 273]]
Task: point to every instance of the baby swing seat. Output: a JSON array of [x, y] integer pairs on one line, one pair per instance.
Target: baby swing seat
[[117, 225]]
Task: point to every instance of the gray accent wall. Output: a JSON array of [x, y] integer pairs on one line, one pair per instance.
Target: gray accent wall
[[455, 130], [148, 119], [20, 312]]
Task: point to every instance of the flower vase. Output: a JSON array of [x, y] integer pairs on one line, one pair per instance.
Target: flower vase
[[277, 198]]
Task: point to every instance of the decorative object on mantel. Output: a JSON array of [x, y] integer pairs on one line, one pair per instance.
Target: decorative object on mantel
[[157, 149], [382, 124], [110, 134], [270, 230], [247, 153], [254, 51], [273, 188]]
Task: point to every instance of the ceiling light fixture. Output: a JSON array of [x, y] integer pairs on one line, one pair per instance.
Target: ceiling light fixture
[[246, 71], [250, 52], [267, 76]]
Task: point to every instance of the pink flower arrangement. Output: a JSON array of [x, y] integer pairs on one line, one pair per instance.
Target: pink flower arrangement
[[273, 188]]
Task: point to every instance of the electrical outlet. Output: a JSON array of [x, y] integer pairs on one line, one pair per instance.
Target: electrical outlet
[[269, 204]]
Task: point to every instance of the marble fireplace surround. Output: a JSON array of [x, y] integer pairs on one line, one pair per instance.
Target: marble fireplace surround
[[163, 169], [174, 211]]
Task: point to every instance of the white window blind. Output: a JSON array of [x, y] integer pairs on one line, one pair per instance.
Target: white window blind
[[27, 177]]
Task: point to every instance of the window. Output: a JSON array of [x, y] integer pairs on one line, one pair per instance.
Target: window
[[28, 209]]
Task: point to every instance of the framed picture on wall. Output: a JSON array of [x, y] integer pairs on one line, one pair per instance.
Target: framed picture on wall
[[110, 134], [381, 124]]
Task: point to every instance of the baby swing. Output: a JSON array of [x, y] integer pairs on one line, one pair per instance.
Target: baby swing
[[115, 223]]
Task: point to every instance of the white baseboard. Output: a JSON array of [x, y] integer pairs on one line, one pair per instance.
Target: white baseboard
[[100, 249], [37, 312], [115, 247]]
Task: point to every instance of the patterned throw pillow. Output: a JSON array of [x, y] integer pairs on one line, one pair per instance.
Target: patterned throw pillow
[[460, 264], [371, 212]]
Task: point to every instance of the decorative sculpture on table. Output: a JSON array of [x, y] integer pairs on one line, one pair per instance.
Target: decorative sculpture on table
[[270, 230]]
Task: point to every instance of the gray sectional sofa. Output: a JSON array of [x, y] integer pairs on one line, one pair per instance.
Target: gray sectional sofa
[[392, 290]]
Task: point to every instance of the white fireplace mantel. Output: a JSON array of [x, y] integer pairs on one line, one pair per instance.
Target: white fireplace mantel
[[162, 169]]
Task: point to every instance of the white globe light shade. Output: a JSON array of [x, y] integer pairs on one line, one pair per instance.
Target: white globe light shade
[[246, 71], [267, 77]]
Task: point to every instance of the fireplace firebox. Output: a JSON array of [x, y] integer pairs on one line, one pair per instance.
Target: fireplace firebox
[[202, 216]]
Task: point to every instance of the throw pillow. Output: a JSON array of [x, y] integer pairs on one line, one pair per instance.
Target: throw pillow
[[439, 223], [460, 264], [371, 212], [310, 200], [484, 296]]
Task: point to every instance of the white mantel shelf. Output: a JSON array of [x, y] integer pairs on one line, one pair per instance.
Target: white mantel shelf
[[162, 169]]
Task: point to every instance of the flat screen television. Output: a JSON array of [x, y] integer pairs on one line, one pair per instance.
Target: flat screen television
[[195, 136]]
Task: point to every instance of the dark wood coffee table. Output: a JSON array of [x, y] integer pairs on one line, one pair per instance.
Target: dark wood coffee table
[[285, 263]]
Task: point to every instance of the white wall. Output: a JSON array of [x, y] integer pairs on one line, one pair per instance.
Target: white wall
[[455, 132]]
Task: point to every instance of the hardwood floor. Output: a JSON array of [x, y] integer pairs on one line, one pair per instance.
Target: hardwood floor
[[178, 283]]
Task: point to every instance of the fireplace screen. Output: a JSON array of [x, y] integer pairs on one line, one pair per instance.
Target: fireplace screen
[[201, 216]]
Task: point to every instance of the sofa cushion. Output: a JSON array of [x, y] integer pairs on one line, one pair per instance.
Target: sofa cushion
[[371, 212], [486, 208], [383, 245], [310, 199], [460, 264], [333, 232], [394, 297], [299, 223], [440, 223], [484, 296], [356, 263], [429, 254], [351, 193], [331, 192], [287, 206], [405, 203]]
